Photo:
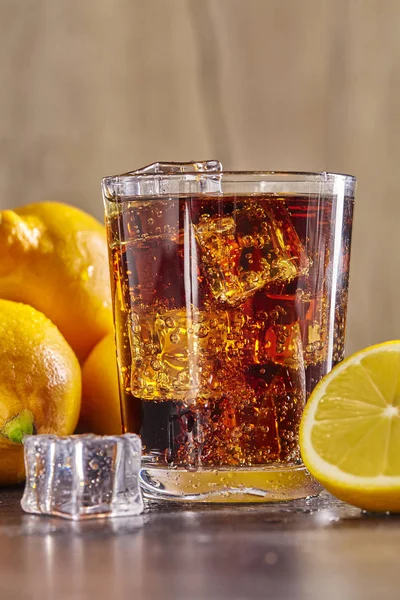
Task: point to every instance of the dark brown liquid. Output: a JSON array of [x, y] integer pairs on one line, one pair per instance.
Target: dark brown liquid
[[225, 312]]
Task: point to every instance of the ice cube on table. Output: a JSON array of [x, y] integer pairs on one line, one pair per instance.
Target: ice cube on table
[[249, 248], [82, 476]]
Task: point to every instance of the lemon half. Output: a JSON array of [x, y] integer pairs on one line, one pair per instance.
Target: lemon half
[[350, 430]]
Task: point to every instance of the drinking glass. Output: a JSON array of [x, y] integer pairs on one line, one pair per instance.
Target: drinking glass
[[230, 294]]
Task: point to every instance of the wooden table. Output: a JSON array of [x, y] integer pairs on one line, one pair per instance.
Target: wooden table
[[317, 548]]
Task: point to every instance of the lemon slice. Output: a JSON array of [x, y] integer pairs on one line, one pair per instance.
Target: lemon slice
[[350, 430]]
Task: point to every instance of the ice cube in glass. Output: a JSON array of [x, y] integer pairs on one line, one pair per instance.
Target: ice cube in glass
[[248, 249]]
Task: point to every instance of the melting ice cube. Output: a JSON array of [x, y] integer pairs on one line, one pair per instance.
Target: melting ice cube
[[82, 476]]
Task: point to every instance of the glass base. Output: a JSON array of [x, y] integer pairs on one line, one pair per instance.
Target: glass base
[[254, 484]]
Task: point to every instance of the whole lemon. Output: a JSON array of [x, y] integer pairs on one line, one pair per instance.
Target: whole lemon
[[100, 411], [54, 258], [40, 377]]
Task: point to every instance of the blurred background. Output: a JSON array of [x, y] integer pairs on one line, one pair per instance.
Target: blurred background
[[96, 87]]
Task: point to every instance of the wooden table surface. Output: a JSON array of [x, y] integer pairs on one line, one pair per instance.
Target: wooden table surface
[[318, 548]]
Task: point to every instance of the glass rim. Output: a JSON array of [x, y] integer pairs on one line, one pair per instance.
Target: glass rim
[[301, 175]]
